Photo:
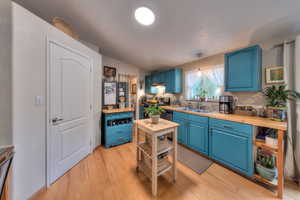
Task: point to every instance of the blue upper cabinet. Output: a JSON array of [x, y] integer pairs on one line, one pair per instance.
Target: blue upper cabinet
[[243, 70], [148, 83], [172, 79]]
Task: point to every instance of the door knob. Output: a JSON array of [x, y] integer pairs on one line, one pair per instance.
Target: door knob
[[56, 119]]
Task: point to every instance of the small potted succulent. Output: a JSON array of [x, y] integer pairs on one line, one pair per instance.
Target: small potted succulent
[[154, 111], [277, 97], [265, 164]]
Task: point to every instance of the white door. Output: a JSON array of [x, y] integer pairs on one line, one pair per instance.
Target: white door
[[70, 109]]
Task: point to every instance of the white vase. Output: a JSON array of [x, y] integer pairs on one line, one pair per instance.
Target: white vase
[[272, 142], [155, 119]]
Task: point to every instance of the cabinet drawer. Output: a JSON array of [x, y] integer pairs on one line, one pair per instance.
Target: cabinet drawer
[[199, 119], [180, 115], [119, 115], [113, 134], [239, 128]]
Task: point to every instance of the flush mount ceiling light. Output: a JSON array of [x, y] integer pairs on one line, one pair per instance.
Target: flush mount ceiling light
[[144, 16]]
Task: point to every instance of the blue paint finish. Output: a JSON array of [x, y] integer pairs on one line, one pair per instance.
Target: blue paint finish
[[193, 131], [227, 142], [119, 134], [243, 70], [172, 79], [182, 130], [198, 137], [231, 143], [148, 83]]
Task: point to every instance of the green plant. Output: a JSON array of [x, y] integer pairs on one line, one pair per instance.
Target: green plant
[[266, 159], [202, 93], [154, 110], [277, 96]]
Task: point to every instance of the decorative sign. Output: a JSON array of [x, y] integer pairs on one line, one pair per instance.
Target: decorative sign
[[274, 75]]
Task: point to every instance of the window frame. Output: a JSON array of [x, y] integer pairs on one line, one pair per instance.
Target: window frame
[[204, 68]]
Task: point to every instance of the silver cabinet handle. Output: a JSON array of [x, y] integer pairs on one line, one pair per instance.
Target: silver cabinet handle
[[226, 126]]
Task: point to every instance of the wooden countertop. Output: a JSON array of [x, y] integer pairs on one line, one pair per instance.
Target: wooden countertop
[[256, 121], [117, 110], [161, 126]]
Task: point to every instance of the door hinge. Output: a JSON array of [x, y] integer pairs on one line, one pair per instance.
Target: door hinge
[[91, 107]]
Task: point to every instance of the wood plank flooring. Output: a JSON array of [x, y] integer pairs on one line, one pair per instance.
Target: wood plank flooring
[[109, 174]]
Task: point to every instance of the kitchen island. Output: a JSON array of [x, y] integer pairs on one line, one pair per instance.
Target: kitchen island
[[230, 140], [153, 148]]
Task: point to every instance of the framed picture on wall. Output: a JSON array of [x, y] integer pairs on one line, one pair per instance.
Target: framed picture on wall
[[133, 89], [109, 71], [274, 75]]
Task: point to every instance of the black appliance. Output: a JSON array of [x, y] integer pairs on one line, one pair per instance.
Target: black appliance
[[226, 104], [167, 115]]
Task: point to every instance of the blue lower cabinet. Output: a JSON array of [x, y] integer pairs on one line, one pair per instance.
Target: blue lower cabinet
[[182, 130], [198, 137], [231, 147], [117, 129]]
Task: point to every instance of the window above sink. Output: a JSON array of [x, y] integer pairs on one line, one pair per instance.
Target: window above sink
[[205, 81]]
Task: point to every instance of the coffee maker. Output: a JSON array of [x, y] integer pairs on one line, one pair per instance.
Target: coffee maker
[[226, 104]]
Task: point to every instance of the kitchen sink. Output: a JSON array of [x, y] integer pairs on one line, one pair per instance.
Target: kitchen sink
[[192, 109]]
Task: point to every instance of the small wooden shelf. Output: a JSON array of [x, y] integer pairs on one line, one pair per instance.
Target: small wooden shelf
[[147, 150], [263, 145], [273, 183]]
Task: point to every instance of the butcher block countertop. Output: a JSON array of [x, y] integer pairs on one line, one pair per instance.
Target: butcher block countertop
[[256, 121], [117, 110], [161, 126]]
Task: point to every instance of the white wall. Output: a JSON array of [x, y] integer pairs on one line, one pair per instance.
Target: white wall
[[5, 73], [29, 81], [124, 68]]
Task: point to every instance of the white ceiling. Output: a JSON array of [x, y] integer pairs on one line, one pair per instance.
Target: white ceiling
[[183, 28]]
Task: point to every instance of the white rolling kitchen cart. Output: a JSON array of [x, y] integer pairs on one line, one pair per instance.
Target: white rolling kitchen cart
[[154, 148]]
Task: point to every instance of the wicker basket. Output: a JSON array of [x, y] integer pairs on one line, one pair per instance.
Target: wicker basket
[[269, 174], [64, 27]]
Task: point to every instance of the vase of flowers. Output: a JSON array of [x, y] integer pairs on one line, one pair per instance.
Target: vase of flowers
[[154, 111]]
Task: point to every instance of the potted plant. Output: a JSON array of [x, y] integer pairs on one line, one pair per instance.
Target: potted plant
[[265, 164], [277, 97], [154, 111]]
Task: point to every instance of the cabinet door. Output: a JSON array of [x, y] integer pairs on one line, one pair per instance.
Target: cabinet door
[[142, 110], [198, 137], [243, 70], [148, 83], [182, 130], [233, 150], [168, 81]]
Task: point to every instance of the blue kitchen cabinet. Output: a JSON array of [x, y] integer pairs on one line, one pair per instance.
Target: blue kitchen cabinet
[[192, 131], [173, 81], [142, 111], [231, 144], [148, 83], [243, 70], [198, 137], [117, 129], [182, 120]]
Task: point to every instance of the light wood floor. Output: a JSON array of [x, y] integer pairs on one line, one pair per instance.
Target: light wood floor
[[109, 174]]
